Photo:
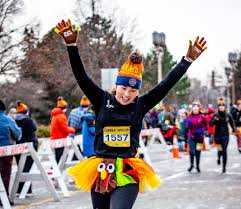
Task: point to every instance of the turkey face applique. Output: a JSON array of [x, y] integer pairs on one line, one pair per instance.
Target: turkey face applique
[[105, 181]]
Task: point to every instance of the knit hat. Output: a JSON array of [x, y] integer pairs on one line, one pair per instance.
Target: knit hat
[[221, 101], [131, 71], [2, 106], [62, 103], [84, 102], [21, 107]]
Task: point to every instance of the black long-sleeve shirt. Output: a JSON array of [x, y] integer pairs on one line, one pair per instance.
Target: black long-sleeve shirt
[[221, 121], [109, 112], [237, 117]]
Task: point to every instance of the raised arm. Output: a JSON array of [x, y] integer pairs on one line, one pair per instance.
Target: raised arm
[[154, 96], [69, 35]]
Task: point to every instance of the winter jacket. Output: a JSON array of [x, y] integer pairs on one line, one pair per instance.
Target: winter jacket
[[88, 131], [59, 126], [221, 121], [9, 131], [28, 127], [196, 125], [236, 113]]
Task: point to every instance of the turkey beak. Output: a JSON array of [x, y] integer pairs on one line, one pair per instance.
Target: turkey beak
[[103, 174]]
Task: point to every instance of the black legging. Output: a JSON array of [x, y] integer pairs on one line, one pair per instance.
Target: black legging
[[58, 153], [224, 144], [120, 198]]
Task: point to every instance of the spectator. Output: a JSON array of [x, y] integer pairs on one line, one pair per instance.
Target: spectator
[[12, 113], [153, 117], [59, 128], [88, 131], [29, 129], [9, 131], [74, 119]]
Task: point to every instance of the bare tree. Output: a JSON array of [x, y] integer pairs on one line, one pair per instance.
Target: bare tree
[[9, 58]]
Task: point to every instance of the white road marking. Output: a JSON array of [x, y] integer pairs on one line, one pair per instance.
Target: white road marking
[[174, 176]]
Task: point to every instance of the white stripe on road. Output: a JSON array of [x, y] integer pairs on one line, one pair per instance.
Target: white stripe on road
[[175, 176]]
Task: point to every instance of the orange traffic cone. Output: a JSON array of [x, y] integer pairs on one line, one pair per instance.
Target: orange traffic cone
[[175, 150]]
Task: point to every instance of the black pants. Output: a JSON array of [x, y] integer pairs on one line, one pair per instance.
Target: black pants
[[5, 170], [58, 153], [120, 198], [26, 168], [223, 151]]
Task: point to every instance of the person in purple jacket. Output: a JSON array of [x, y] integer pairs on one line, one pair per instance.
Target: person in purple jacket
[[196, 125]]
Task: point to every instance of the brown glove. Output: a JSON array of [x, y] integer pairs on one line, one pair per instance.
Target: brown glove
[[67, 32], [195, 50]]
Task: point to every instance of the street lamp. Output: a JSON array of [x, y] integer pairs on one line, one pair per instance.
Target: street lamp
[[228, 72], [232, 58], [158, 40]]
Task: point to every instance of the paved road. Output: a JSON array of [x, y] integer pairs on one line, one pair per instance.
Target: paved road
[[180, 190]]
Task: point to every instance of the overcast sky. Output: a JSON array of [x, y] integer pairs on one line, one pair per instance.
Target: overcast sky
[[217, 20]]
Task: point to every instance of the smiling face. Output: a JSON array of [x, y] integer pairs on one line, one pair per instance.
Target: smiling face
[[195, 108], [125, 94], [221, 107]]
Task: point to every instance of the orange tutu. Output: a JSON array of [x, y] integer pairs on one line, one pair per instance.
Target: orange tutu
[[148, 179], [85, 173]]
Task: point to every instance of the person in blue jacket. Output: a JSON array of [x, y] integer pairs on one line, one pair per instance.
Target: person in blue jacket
[[9, 134], [88, 131]]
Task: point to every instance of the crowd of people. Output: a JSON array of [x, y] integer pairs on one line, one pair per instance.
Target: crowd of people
[[192, 123], [112, 171]]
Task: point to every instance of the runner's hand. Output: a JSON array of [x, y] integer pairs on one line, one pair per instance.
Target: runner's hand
[[67, 32], [196, 49]]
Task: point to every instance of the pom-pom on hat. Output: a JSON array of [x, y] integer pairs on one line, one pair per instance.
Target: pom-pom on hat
[[21, 107], [131, 71], [62, 103], [84, 102], [221, 101]]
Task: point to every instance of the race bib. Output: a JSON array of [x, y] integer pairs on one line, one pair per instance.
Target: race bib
[[199, 146], [219, 147], [117, 136]]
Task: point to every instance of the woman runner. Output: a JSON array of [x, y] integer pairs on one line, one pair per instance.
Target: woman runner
[[115, 175], [196, 125], [220, 120]]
